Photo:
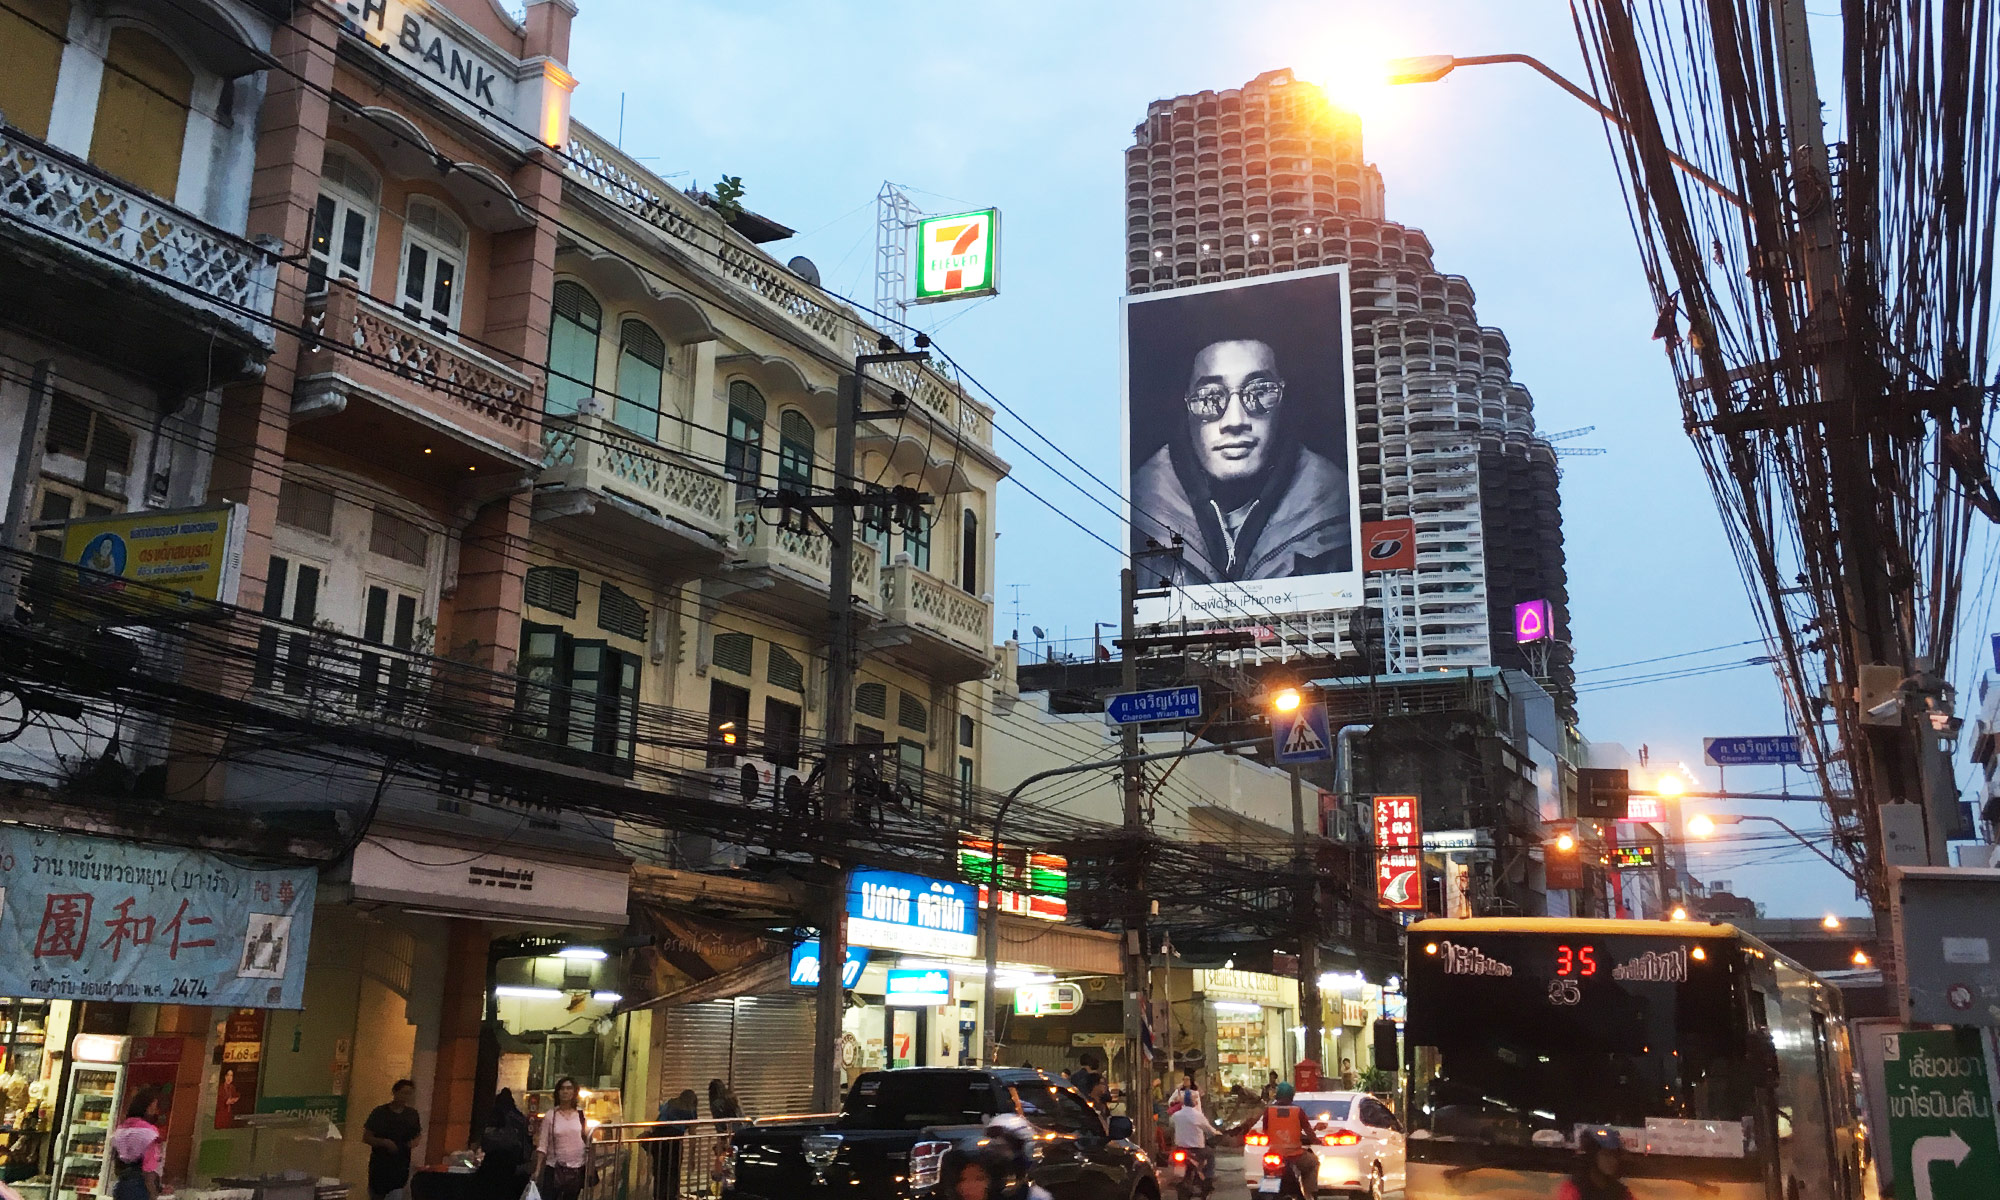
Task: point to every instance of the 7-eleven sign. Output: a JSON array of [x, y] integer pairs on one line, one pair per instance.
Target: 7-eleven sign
[[958, 256]]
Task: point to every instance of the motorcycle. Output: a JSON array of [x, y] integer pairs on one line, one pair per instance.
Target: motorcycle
[[1193, 1173], [1279, 1179]]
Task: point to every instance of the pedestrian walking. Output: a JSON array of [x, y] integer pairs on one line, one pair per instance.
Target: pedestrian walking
[[562, 1152], [390, 1131], [503, 1151], [724, 1107], [668, 1142], [136, 1147]]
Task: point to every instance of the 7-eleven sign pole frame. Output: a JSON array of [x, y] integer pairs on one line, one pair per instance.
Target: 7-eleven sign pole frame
[[958, 256]]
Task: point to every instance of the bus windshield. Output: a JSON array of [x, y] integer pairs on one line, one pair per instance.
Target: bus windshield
[[1527, 1038]]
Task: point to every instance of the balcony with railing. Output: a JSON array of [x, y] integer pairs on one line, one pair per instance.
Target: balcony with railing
[[785, 571], [382, 383], [597, 167], [933, 626], [105, 267], [645, 497]]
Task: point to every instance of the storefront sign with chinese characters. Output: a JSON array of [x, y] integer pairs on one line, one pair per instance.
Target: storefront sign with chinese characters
[[84, 918], [1399, 859]]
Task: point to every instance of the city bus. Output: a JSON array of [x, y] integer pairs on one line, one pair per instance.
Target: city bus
[[1723, 1066]]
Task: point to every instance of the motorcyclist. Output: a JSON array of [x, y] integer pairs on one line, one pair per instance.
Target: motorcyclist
[[1600, 1154], [1192, 1129], [1005, 1157], [1290, 1135]]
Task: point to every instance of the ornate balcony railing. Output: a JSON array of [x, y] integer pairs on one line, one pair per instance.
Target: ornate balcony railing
[[922, 600], [201, 266], [600, 167], [807, 554], [369, 342], [589, 452]]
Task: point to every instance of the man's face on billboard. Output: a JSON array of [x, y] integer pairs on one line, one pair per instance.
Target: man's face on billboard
[[1232, 405]]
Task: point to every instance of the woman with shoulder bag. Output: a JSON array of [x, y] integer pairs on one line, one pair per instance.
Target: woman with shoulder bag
[[562, 1152]]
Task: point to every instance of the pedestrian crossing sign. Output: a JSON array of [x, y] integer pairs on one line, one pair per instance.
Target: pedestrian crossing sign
[[1301, 736]]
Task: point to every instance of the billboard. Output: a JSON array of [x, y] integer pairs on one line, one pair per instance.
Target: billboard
[[958, 256], [1239, 436]]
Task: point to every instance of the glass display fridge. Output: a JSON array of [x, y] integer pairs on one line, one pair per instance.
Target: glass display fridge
[[91, 1108]]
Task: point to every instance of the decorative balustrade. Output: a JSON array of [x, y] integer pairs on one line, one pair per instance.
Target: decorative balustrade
[[808, 554], [202, 266], [370, 334], [602, 168], [920, 599], [589, 452]]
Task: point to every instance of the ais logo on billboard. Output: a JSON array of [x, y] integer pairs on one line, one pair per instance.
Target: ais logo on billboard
[[958, 256]]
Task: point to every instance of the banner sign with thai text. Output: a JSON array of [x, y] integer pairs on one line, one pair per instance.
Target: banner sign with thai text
[[84, 918]]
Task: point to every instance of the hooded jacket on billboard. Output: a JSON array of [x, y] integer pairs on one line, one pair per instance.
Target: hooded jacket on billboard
[[1298, 525]]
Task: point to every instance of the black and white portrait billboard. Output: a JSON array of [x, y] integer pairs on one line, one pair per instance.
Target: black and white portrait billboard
[[1239, 419]]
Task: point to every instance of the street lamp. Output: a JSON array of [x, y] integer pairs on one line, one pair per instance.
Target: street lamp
[[1430, 68], [1287, 700], [1829, 921], [1701, 825]]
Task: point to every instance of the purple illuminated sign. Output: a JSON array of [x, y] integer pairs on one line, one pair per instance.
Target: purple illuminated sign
[[1531, 621]]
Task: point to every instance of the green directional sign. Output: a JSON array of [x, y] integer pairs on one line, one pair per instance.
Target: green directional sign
[[1941, 1130]]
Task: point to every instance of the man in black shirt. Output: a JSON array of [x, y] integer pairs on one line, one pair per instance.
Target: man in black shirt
[[390, 1131]]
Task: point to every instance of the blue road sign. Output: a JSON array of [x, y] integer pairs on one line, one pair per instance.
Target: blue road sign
[[1751, 751], [1160, 704], [1302, 736]]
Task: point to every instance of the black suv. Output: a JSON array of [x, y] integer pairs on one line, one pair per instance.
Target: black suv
[[895, 1127]]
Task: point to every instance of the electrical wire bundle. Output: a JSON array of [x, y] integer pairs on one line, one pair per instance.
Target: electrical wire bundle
[[1830, 323]]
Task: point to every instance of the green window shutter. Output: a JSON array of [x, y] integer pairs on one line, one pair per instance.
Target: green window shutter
[[732, 652], [785, 671], [552, 588]]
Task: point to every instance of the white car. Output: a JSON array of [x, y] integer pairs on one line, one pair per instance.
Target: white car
[[1361, 1144]]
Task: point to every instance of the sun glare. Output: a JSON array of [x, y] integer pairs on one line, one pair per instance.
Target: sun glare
[[1353, 71]]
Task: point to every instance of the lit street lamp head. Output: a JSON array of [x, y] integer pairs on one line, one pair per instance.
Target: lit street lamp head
[[1424, 68], [1286, 701]]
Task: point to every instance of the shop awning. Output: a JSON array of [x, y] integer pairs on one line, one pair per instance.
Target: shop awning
[[761, 978]]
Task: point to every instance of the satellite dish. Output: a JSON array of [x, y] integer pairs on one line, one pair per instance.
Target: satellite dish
[[803, 267], [1039, 633]]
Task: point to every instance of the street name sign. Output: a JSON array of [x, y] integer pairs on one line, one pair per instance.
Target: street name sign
[[1942, 1143], [1160, 704], [1751, 751], [1301, 736]]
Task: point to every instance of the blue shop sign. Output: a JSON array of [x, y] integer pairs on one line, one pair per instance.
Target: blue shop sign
[[805, 965], [893, 911]]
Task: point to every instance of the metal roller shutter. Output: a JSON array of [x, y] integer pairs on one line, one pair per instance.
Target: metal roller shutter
[[771, 1063], [694, 1047]]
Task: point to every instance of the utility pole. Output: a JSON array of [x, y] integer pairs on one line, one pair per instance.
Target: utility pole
[[1895, 754], [1138, 1077], [843, 655], [1308, 900]]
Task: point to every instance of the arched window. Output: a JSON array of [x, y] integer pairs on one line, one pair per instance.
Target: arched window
[[33, 32], [968, 554], [433, 265], [743, 452], [142, 112], [642, 366], [573, 348], [343, 235], [796, 438]]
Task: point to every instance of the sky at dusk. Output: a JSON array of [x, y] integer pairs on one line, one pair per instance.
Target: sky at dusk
[[1029, 107]]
